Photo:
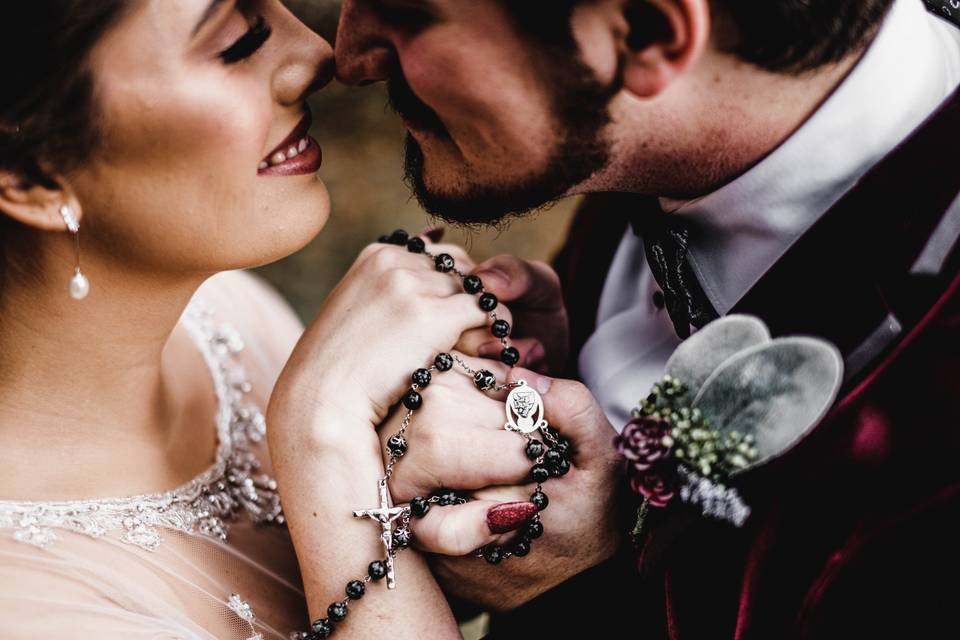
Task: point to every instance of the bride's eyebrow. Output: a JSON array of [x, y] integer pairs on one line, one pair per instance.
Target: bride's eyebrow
[[208, 13]]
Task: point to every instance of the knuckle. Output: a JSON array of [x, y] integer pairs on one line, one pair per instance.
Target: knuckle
[[369, 250], [382, 259], [401, 283]]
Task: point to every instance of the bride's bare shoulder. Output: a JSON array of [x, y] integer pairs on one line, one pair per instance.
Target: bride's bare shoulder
[[265, 321]]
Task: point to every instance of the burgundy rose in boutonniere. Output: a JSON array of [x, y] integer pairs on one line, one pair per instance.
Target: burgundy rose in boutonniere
[[732, 399]]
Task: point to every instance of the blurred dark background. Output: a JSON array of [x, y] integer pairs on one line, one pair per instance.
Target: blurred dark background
[[362, 143]]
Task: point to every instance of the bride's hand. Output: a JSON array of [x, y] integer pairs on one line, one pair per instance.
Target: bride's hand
[[391, 314]]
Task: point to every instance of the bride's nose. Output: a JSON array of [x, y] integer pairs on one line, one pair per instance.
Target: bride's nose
[[363, 52], [306, 65]]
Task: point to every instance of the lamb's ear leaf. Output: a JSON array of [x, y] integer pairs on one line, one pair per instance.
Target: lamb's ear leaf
[[703, 352], [776, 392]]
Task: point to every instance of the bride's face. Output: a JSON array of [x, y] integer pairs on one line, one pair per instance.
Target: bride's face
[[199, 105]]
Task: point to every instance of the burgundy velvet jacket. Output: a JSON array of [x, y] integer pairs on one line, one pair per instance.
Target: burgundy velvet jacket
[[856, 533]]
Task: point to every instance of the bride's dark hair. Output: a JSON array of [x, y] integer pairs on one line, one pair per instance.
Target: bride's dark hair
[[47, 102]]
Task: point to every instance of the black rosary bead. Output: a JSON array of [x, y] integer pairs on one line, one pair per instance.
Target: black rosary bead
[[402, 538], [444, 262], [413, 400], [399, 237], [500, 329], [521, 548], [320, 629], [510, 356], [484, 380], [540, 500], [419, 507], [377, 569], [443, 362], [384, 239], [561, 469], [337, 611], [488, 302], [421, 377], [534, 449], [355, 589], [448, 498], [493, 554], [562, 447], [552, 458], [540, 473], [397, 445], [416, 245], [533, 530], [472, 284]]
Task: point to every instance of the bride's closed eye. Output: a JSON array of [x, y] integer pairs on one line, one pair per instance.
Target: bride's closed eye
[[248, 44]]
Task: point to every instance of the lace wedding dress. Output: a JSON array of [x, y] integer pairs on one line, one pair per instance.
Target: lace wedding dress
[[210, 559]]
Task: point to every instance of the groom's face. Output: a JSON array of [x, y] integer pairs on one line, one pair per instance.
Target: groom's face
[[498, 124]]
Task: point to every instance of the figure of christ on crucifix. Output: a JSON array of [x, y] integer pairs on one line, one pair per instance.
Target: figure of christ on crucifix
[[385, 515]]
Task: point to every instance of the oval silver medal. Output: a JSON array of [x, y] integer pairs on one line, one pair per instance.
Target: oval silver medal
[[524, 409]]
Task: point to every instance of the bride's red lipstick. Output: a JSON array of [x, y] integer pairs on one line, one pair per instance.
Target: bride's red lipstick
[[298, 154]]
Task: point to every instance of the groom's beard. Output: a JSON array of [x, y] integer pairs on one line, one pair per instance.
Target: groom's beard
[[580, 106]]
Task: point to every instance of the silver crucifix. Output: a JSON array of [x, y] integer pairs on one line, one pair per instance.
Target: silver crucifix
[[385, 515]]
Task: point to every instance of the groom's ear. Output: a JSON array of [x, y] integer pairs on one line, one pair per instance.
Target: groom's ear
[[663, 38]]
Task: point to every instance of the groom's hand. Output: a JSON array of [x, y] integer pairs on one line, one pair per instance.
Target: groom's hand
[[533, 293], [583, 524], [457, 441]]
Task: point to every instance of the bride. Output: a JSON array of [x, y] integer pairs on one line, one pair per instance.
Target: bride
[[148, 150]]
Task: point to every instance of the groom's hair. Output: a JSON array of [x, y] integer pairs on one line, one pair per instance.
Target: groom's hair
[[785, 36]]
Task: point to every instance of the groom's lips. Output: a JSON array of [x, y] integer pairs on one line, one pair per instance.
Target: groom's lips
[[297, 154]]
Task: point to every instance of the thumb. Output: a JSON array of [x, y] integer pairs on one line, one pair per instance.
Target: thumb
[[461, 529], [512, 279], [571, 408]]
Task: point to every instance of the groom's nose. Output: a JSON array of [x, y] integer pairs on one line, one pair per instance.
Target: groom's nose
[[363, 52]]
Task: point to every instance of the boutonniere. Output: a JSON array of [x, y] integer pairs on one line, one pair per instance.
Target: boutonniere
[[732, 399]]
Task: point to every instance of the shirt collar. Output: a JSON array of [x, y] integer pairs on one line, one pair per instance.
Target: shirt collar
[[739, 231]]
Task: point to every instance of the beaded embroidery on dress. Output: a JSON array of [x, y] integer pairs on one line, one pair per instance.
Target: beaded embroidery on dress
[[209, 560], [206, 504]]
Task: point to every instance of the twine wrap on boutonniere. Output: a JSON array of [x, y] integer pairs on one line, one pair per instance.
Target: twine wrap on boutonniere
[[732, 399]]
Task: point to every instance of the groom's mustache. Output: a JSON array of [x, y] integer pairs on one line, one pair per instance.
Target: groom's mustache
[[408, 106]]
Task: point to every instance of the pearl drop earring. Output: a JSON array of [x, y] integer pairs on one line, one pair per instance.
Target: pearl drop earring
[[79, 285]]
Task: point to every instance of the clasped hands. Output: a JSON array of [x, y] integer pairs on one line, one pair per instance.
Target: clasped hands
[[458, 442], [391, 314]]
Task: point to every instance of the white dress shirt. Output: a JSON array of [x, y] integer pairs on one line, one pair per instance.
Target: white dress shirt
[[743, 228]]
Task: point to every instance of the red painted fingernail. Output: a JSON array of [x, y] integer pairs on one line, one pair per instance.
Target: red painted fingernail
[[434, 234], [510, 516]]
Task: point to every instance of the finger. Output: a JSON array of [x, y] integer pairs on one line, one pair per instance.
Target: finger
[[468, 365], [459, 458], [410, 281], [505, 493], [463, 311], [472, 342], [533, 284], [532, 352], [461, 529]]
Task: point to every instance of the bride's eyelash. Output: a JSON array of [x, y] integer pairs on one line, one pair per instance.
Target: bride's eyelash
[[248, 44]]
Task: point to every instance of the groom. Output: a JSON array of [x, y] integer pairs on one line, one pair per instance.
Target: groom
[[799, 161]]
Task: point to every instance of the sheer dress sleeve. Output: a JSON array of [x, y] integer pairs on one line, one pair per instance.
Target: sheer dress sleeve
[[210, 559]]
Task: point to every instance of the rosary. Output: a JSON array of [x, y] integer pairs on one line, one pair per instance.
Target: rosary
[[524, 415]]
